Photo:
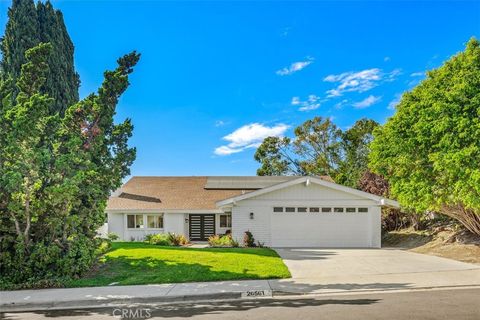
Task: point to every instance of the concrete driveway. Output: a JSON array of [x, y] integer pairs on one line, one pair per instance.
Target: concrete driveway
[[332, 270]]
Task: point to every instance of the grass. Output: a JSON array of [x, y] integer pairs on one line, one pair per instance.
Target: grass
[[129, 263]]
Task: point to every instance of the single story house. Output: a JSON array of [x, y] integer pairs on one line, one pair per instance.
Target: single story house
[[280, 211]]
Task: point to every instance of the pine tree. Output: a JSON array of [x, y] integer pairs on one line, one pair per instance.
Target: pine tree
[[29, 25]]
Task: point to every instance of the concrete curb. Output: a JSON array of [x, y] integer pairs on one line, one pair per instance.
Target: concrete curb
[[105, 303]]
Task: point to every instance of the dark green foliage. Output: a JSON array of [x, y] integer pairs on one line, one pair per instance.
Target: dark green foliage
[[248, 240], [56, 173], [27, 26]]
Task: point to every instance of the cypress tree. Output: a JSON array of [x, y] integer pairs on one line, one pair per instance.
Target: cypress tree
[[27, 26]]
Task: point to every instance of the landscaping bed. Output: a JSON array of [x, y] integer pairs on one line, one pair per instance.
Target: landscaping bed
[[443, 242], [130, 263]]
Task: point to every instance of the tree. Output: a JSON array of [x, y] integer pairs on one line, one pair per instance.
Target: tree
[[27, 26], [429, 150], [56, 173], [355, 147], [319, 148], [314, 151]]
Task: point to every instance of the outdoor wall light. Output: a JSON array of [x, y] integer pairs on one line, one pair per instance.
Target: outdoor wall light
[[186, 220], [251, 215]]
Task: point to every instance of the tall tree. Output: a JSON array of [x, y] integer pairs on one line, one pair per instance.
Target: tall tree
[[430, 149], [319, 148], [314, 151], [56, 173], [27, 26], [355, 149]]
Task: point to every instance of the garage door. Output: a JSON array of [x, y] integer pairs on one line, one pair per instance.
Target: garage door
[[321, 227]]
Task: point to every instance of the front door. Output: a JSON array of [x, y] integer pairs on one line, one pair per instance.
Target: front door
[[201, 226]]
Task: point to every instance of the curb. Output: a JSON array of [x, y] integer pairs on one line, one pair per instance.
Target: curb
[[105, 303]]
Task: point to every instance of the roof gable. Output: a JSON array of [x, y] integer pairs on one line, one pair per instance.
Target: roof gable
[[308, 180]]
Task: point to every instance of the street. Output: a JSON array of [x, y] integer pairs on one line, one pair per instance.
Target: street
[[458, 304]]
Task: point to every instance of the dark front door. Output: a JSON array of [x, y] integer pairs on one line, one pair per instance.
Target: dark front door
[[201, 226]]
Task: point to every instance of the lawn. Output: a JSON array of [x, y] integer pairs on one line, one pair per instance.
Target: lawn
[[129, 263]]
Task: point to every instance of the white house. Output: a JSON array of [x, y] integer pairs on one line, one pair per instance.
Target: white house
[[287, 211]]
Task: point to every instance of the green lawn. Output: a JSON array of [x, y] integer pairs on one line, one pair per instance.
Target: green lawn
[[131, 263]]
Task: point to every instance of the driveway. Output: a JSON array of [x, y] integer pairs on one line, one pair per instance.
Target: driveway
[[332, 270]]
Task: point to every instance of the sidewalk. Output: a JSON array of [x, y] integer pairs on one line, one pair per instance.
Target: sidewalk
[[45, 299]]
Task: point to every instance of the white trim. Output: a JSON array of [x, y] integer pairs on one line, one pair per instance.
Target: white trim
[[380, 200], [132, 211]]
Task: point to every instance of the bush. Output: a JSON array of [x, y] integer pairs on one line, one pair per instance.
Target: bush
[[222, 241], [160, 239], [112, 236], [177, 239], [248, 239], [166, 239]]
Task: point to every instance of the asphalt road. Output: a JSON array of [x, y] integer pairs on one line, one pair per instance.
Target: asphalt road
[[458, 304]]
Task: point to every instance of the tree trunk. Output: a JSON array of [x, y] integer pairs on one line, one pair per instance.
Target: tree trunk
[[468, 217]]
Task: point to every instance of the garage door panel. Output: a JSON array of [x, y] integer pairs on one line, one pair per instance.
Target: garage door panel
[[320, 230]]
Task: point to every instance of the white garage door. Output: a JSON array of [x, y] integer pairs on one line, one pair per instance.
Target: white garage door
[[315, 228]]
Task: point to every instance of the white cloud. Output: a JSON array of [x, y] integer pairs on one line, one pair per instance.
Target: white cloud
[[311, 103], [249, 136], [386, 59], [220, 123], [395, 101], [417, 74], [360, 81], [367, 102], [294, 67], [295, 101], [340, 104]]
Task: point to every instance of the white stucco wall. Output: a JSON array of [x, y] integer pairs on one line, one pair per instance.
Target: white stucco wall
[[308, 229], [172, 222]]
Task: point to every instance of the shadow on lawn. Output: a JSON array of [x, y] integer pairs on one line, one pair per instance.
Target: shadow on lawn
[[125, 270], [141, 245], [186, 310]]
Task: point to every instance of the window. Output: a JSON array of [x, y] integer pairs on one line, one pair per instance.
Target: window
[[155, 221], [337, 209], [278, 209], [135, 221], [350, 210], [362, 209], [225, 221], [301, 209], [289, 209], [314, 210], [326, 209]]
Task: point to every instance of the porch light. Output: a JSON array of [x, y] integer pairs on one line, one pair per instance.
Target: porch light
[[186, 220], [251, 215]]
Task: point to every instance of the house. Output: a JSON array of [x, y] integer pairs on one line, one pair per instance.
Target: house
[[280, 211]]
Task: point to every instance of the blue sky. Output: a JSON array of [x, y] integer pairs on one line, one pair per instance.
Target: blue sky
[[217, 77]]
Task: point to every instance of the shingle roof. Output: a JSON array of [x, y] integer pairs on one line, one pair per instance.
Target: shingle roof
[[184, 193]]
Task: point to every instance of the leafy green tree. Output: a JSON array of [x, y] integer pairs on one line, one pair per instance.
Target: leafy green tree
[[27, 26], [355, 149], [319, 148], [430, 149], [314, 151], [56, 173]]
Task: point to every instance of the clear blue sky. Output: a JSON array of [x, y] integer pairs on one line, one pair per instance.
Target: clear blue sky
[[216, 77]]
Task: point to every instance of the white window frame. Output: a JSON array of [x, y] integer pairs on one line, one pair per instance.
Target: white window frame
[[156, 215], [228, 219], [135, 221]]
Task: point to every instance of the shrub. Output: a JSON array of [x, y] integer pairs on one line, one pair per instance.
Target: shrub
[[222, 241], [160, 239], [177, 239], [248, 239], [112, 236]]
